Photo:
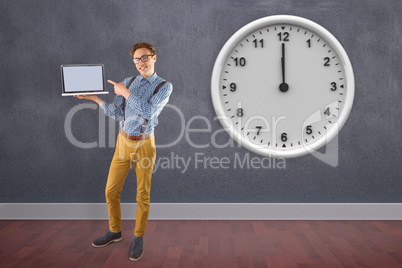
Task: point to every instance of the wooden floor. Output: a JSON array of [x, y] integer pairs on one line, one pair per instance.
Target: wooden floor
[[205, 243]]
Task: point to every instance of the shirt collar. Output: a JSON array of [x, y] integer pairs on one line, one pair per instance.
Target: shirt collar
[[150, 79]]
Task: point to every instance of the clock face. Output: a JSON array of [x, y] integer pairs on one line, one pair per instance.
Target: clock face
[[282, 86]]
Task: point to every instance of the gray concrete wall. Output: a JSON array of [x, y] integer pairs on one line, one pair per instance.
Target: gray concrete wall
[[39, 164]]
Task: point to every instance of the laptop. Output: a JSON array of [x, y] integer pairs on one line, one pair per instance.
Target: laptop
[[82, 79]]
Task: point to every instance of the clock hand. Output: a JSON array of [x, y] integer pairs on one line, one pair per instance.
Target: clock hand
[[283, 86], [283, 62]]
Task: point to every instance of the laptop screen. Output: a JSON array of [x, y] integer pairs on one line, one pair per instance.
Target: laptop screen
[[82, 78]]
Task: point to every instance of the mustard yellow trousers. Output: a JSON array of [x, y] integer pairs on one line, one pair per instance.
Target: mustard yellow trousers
[[141, 155]]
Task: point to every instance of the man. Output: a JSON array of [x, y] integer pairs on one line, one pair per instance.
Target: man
[[138, 102]]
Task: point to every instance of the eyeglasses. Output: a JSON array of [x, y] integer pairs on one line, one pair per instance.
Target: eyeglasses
[[143, 59]]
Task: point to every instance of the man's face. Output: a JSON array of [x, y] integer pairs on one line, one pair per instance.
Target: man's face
[[146, 69]]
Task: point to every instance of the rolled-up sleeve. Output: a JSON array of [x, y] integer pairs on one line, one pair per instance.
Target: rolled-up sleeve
[[115, 109]]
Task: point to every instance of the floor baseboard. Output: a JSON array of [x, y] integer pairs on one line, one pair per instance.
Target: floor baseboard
[[207, 211]]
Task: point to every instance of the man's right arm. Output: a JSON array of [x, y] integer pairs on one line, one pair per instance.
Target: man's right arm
[[114, 110]]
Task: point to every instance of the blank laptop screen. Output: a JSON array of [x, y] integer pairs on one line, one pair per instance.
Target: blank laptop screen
[[83, 78]]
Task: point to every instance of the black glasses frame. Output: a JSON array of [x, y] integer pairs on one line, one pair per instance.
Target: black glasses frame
[[143, 59]]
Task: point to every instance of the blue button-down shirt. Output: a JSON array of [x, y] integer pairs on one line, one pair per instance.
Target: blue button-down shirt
[[140, 105]]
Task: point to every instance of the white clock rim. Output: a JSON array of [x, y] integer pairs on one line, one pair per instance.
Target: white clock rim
[[258, 24]]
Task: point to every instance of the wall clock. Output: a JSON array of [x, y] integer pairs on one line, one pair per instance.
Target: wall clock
[[282, 86]]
